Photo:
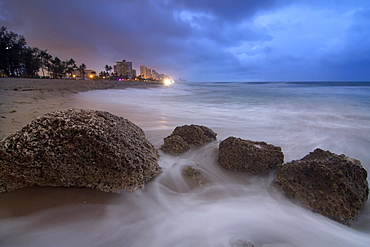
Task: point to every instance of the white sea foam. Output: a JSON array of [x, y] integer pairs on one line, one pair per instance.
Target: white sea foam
[[225, 207]]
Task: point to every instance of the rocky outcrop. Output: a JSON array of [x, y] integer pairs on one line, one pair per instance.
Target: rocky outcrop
[[332, 185], [258, 158], [186, 136], [174, 144], [78, 148]]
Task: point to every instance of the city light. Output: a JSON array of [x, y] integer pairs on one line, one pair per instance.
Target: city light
[[167, 82], [91, 76]]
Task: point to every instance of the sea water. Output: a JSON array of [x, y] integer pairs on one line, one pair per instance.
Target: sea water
[[220, 208]]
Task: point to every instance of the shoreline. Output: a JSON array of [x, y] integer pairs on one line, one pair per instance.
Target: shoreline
[[24, 99]]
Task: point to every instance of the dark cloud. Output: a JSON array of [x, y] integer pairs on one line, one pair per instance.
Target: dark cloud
[[202, 40], [225, 11]]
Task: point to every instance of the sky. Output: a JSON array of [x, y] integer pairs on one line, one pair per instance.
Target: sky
[[204, 40]]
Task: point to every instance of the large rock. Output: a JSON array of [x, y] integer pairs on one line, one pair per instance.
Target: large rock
[[78, 148], [332, 185], [186, 136], [258, 158]]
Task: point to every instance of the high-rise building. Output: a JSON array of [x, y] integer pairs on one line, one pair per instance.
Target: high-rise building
[[123, 69], [155, 75], [145, 72], [142, 71]]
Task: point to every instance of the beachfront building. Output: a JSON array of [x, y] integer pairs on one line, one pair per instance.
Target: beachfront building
[[88, 74], [155, 75], [123, 69], [145, 73]]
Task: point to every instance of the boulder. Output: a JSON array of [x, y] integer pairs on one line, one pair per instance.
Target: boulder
[[78, 148], [332, 185], [258, 158], [174, 144], [183, 137]]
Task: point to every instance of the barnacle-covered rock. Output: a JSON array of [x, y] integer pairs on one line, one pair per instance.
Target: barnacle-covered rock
[[257, 158], [194, 173], [330, 184], [78, 148], [183, 137], [174, 144]]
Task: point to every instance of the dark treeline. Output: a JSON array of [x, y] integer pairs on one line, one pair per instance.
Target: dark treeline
[[18, 59]]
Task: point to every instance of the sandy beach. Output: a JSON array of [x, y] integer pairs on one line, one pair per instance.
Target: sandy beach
[[22, 99]]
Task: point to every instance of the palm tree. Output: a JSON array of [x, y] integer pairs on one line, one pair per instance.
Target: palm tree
[[108, 68], [70, 66], [11, 46], [30, 61], [45, 60], [81, 69], [56, 67]]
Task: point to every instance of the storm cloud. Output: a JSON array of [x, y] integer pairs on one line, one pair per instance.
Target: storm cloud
[[204, 40]]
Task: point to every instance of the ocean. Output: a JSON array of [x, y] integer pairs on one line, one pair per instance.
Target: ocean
[[227, 208]]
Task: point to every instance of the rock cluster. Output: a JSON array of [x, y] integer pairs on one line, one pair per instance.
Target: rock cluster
[[79, 148], [258, 158], [186, 136], [332, 185], [95, 149]]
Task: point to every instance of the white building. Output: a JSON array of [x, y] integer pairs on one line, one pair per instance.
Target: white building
[[146, 73], [155, 75]]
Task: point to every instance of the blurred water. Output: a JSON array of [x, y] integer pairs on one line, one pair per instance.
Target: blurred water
[[298, 117], [221, 207]]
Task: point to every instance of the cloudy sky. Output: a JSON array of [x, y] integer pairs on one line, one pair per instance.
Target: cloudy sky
[[204, 40]]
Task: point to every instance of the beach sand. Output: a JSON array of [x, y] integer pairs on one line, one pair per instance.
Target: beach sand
[[22, 99]]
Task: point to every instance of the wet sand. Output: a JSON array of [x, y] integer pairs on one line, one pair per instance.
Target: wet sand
[[22, 99]]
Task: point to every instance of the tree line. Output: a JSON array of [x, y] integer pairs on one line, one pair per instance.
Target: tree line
[[18, 59]]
